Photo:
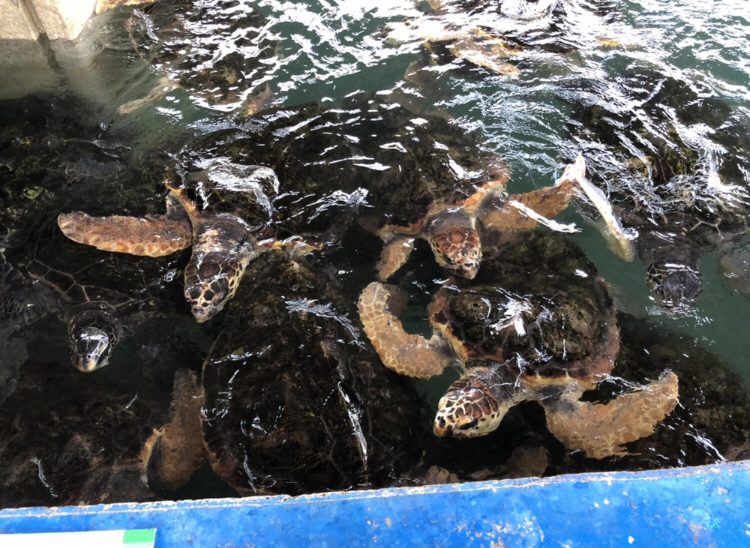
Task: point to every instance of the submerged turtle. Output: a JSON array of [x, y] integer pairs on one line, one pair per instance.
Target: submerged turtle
[[101, 299], [90, 442], [216, 50], [488, 34], [676, 170], [296, 401], [537, 323]]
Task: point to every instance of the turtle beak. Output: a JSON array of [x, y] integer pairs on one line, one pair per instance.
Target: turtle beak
[[90, 349]]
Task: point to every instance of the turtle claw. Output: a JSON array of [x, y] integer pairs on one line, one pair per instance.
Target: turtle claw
[[601, 430]]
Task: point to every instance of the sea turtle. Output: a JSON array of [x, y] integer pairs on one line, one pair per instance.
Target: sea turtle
[[489, 34], [92, 442], [676, 170], [217, 51], [218, 211], [101, 299], [296, 400], [536, 323]]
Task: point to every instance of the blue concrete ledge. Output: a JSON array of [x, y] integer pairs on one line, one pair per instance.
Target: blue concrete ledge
[[702, 506]]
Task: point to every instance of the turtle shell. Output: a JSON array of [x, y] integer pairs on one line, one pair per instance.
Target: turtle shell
[[295, 399], [376, 160], [58, 432], [677, 173], [536, 305], [216, 49]]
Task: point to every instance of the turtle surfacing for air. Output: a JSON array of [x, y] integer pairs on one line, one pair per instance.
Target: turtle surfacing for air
[[538, 324], [455, 229], [218, 211]]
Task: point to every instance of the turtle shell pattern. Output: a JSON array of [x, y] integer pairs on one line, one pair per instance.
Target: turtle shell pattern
[[295, 399], [378, 160], [537, 305]]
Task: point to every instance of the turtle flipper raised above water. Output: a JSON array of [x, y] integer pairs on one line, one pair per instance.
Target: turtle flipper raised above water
[[537, 324]]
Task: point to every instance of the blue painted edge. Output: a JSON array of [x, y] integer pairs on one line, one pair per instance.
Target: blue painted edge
[[703, 506]]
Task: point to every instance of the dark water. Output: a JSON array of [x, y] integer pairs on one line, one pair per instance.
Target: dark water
[[654, 94]]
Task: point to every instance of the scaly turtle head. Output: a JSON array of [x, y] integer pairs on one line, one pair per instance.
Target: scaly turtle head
[[210, 283], [475, 404], [676, 285], [222, 247], [93, 331], [458, 249]]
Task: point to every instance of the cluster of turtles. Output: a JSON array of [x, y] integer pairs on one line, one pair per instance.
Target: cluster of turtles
[[274, 230], [676, 170]]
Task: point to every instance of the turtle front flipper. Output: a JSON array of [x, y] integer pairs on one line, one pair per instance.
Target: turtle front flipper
[[476, 403], [380, 307], [393, 256], [150, 236], [601, 430], [618, 240]]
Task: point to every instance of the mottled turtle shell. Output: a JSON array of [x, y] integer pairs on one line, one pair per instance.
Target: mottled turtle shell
[[215, 49], [377, 160], [537, 305], [295, 398], [58, 431]]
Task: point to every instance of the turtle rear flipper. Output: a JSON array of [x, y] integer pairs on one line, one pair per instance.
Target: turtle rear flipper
[[150, 236], [601, 430], [380, 306]]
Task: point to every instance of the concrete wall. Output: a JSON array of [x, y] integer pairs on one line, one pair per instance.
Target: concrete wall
[[35, 36], [58, 19]]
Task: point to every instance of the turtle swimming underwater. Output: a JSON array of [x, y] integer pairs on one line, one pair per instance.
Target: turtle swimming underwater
[[676, 170], [296, 401], [216, 50], [488, 34], [536, 323], [102, 300]]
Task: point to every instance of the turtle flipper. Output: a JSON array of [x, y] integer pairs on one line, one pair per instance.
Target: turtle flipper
[[601, 430], [618, 240], [380, 306], [393, 256], [151, 236], [522, 212], [180, 450]]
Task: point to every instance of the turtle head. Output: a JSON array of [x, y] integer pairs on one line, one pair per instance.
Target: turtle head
[[458, 249], [677, 285], [93, 332], [211, 283], [222, 248], [475, 404]]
